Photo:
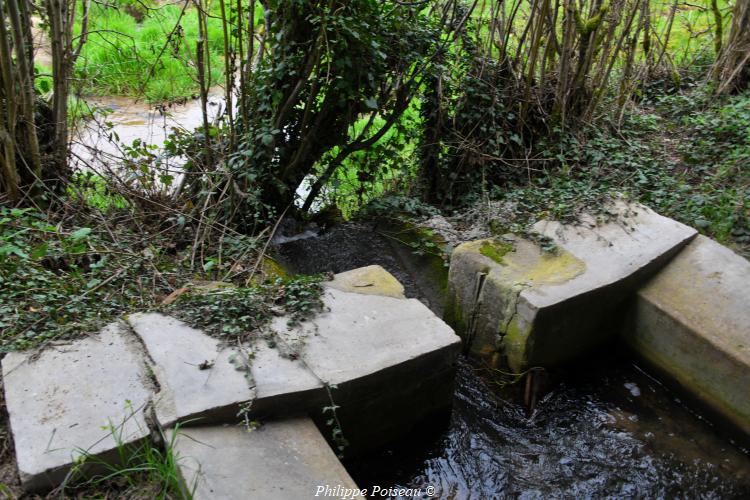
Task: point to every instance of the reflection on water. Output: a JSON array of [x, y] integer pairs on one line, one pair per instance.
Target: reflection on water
[[590, 437], [608, 430]]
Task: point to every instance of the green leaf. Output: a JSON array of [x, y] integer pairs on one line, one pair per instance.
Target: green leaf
[[80, 234], [40, 251], [13, 249]]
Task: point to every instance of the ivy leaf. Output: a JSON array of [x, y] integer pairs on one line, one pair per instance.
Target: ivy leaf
[[80, 234], [40, 251]]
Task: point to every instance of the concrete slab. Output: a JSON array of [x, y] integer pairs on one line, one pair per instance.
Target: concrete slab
[[283, 386], [389, 363], [692, 322], [202, 382], [521, 306], [199, 380], [61, 403], [370, 280], [361, 335], [281, 460]]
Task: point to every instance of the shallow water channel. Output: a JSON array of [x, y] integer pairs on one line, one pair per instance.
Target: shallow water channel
[[607, 429]]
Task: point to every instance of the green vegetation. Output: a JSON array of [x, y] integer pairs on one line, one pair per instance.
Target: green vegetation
[[146, 469], [151, 53], [243, 312], [496, 251], [682, 154]]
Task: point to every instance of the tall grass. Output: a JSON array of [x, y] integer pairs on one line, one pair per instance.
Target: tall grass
[[125, 57]]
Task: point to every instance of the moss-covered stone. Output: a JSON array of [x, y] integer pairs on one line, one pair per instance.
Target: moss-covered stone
[[535, 307], [271, 269]]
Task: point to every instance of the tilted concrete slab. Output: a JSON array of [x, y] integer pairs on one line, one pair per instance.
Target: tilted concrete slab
[[389, 363], [281, 460], [361, 335], [692, 322], [370, 280], [202, 382], [518, 305], [283, 386], [199, 380], [76, 399]]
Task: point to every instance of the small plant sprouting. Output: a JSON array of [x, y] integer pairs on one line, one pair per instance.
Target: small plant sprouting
[[337, 433], [144, 467]]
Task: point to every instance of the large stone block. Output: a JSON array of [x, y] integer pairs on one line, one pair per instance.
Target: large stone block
[[83, 398], [281, 460], [520, 305], [371, 348], [203, 381], [692, 322]]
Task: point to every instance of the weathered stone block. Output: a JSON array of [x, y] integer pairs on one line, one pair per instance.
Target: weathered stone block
[[519, 305], [82, 398], [370, 280], [281, 460], [377, 348], [202, 381], [692, 322], [199, 379]]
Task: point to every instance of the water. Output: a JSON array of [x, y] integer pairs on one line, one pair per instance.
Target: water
[[118, 121], [606, 430]]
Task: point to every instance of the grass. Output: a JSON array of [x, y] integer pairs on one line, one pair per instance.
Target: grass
[[122, 55], [144, 469]]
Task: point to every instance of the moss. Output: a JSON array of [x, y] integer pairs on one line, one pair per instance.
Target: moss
[[495, 250], [515, 345], [453, 314], [272, 269]]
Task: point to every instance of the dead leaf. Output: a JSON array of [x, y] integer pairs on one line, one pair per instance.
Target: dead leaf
[[174, 296]]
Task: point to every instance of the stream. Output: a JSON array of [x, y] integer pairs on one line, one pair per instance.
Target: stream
[[605, 430]]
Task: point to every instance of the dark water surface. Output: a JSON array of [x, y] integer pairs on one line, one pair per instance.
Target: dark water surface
[[606, 430]]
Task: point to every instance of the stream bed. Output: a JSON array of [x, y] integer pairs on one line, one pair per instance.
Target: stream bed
[[605, 430]]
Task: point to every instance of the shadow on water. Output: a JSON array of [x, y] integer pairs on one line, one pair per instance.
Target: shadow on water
[[606, 430]]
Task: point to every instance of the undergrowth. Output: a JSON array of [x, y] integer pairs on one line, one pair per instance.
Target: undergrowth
[[682, 155], [240, 312], [97, 255]]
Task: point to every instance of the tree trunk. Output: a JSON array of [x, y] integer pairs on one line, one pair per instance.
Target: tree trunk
[[732, 71]]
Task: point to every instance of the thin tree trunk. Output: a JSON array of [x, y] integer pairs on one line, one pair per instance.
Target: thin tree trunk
[[732, 71]]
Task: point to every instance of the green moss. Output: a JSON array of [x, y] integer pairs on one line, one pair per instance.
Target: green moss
[[515, 345], [453, 315], [496, 250]]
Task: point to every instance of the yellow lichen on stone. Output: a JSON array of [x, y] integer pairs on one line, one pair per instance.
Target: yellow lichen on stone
[[370, 280], [554, 269]]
